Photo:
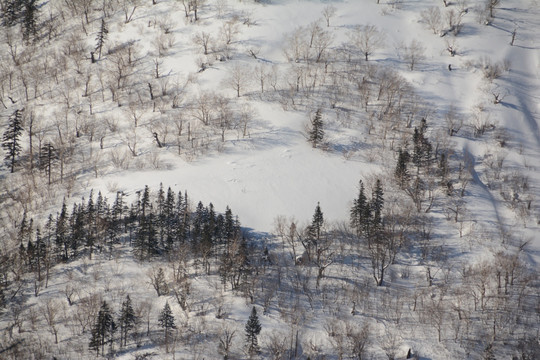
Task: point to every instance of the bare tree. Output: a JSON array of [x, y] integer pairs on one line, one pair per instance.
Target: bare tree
[[319, 41], [203, 39], [226, 338], [238, 78], [491, 5], [129, 7], [328, 13], [52, 313], [366, 39], [413, 53], [432, 17]]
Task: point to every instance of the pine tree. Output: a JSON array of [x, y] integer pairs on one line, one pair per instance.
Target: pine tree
[[315, 229], [61, 233], [12, 10], [29, 20], [253, 329], [47, 156], [103, 330], [316, 133], [360, 212], [101, 37], [402, 173], [377, 203], [127, 320], [11, 139], [166, 321]]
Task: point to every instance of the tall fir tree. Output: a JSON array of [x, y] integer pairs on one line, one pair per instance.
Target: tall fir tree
[[47, 157], [401, 172], [316, 132], [360, 212], [126, 320], [253, 329], [317, 223], [11, 141], [30, 19], [101, 37], [166, 321], [103, 330]]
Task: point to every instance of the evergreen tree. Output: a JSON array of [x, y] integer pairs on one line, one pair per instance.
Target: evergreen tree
[[61, 233], [103, 330], [377, 203], [166, 321], [11, 139], [422, 147], [360, 212], [12, 10], [101, 37], [401, 172], [127, 320], [315, 229], [253, 329], [316, 133], [47, 156], [29, 20]]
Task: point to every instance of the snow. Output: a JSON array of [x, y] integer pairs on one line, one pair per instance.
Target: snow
[[276, 172]]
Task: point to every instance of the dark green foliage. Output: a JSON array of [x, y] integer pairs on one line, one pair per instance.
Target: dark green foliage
[[377, 203], [317, 223], [103, 330], [402, 173], [253, 329], [30, 19], [47, 157], [101, 37], [422, 147], [316, 133], [126, 320], [12, 12], [166, 321], [11, 139], [361, 213]]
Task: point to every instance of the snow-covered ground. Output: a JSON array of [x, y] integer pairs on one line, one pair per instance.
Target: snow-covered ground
[[274, 171]]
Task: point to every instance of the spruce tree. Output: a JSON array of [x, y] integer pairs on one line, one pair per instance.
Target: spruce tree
[[401, 172], [127, 320], [166, 321], [316, 133], [253, 329], [29, 20], [103, 330], [47, 156], [11, 139], [101, 37], [315, 229], [377, 203]]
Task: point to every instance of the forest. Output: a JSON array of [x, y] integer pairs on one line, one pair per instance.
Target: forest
[[380, 158]]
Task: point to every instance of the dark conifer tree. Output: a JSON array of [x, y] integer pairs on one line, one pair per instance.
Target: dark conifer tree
[[47, 156], [166, 321], [253, 329], [316, 227], [12, 11], [103, 329], [360, 212], [101, 37], [30, 19], [316, 133], [11, 141], [377, 203], [62, 234], [170, 220], [126, 320], [401, 172]]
